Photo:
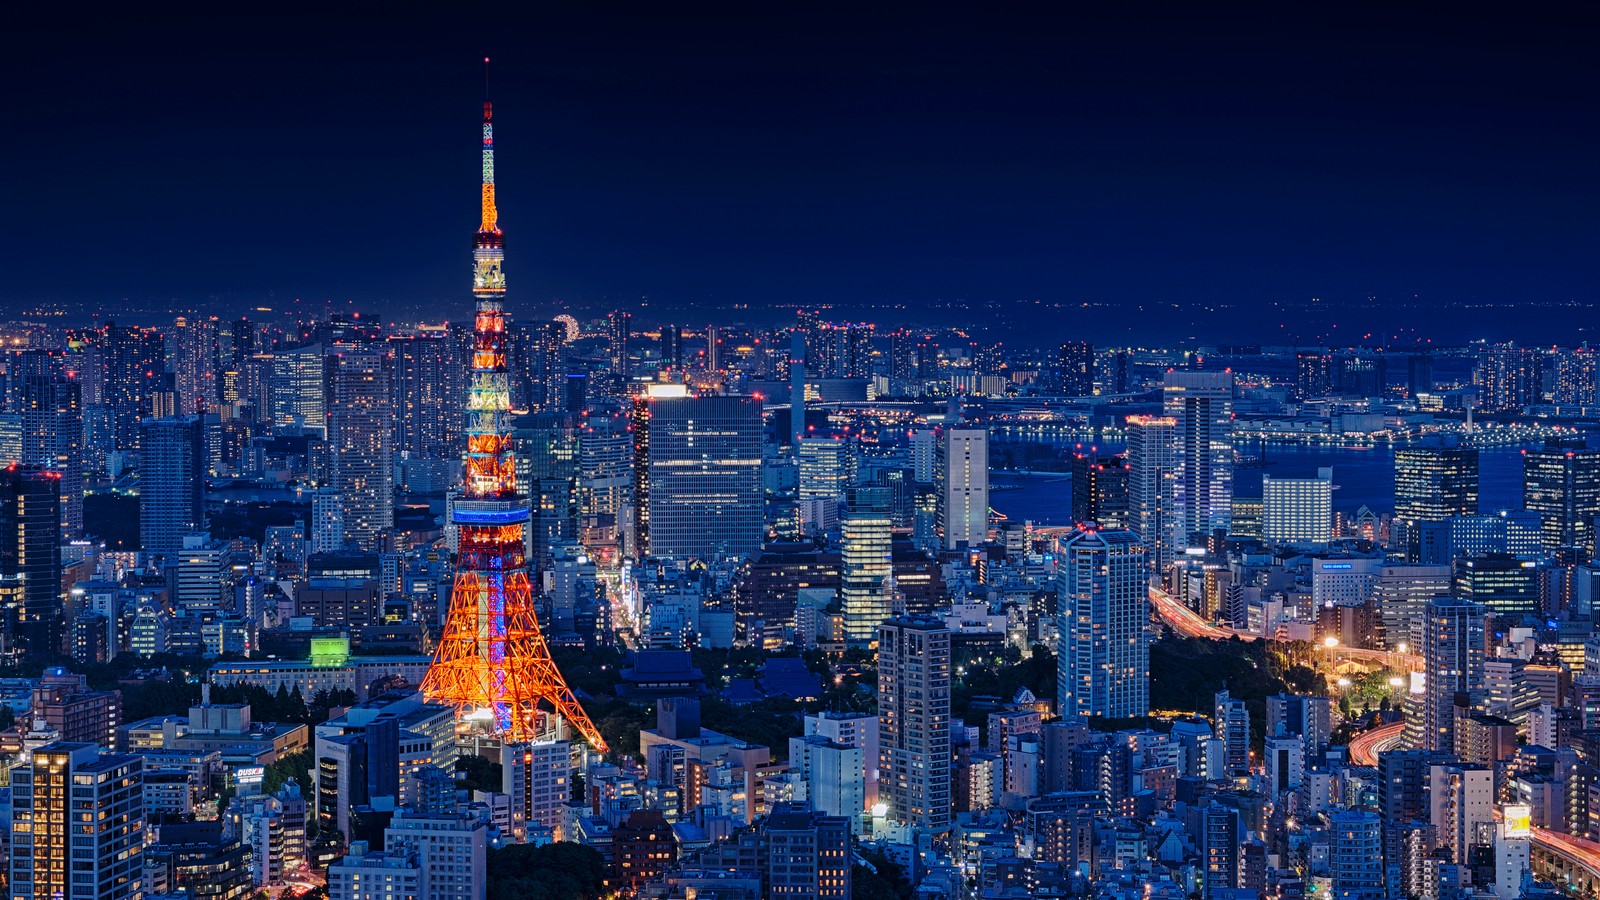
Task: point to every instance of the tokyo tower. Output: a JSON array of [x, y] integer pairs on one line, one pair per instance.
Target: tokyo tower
[[492, 661]]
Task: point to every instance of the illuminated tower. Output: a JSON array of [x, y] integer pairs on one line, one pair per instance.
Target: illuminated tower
[[492, 661]]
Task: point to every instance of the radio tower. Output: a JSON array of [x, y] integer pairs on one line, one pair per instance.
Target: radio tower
[[492, 662]]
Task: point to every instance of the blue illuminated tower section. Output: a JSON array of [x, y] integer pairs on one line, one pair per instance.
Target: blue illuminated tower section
[[492, 662]]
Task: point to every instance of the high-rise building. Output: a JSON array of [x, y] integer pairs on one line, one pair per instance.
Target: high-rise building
[[1152, 469], [1509, 378], [172, 483], [1461, 806], [834, 775], [1297, 510], [453, 851], [361, 446], [808, 854], [1453, 650], [1507, 586], [52, 437], [672, 346], [865, 562], [298, 389], [642, 847], [962, 473], [1221, 838], [1100, 490], [619, 330], [840, 351], [1231, 723], [1563, 486], [1419, 374], [823, 472], [1401, 594], [903, 354], [1578, 377], [850, 729], [1075, 363], [196, 352], [134, 370], [702, 471], [30, 560], [1103, 661], [1202, 492], [428, 392], [52, 856], [914, 721], [1313, 374], [1356, 846], [1432, 484]]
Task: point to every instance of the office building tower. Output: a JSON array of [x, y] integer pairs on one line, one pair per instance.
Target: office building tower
[[962, 473], [361, 447], [52, 437], [702, 476], [824, 469], [1313, 374], [536, 775], [172, 483], [1284, 757], [1453, 652], [832, 775], [619, 329], [537, 363], [1507, 586], [327, 521], [1103, 661], [1563, 486], [903, 354], [30, 560], [797, 387], [1202, 492], [1432, 484], [914, 721], [52, 855], [1509, 378], [134, 369], [1075, 365], [1231, 724], [1401, 594], [1152, 469], [297, 394], [865, 562], [1419, 374], [1297, 510], [1100, 490], [452, 849], [840, 351], [1461, 807], [1356, 847], [672, 347]]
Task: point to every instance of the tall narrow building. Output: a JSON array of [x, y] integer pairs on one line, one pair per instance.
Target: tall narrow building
[[914, 721], [1103, 663], [361, 447], [865, 562], [702, 476], [1202, 492], [52, 436], [30, 560], [172, 483], [1075, 365], [962, 474], [1152, 468], [1453, 650], [1562, 485]]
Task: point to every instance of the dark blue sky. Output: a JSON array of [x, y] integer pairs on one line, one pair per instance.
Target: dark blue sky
[[704, 155]]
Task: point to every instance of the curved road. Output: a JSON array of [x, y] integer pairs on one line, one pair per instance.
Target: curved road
[[1365, 747]]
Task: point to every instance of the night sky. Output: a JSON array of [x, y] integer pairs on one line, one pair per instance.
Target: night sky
[[708, 155]]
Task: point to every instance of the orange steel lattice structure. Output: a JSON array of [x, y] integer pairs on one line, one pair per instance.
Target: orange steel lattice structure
[[492, 657]]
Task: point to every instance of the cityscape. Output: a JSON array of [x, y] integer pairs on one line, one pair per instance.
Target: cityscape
[[522, 589]]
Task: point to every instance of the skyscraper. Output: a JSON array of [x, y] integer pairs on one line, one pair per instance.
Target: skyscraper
[[1357, 847], [171, 483], [1103, 663], [195, 347], [1100, 490], [1075, 363], [427, 395], [52, 856], [1313, 374], [134, 369], [1562, 485], [361, 446], [1152, 468], [1453, 651], [866, 543], [824, 471], [1202, 494], [619, 330], [702, 468], [914, 721], [962, 472], [298, 389], [30, 559], [1432, 484], [52, 436]]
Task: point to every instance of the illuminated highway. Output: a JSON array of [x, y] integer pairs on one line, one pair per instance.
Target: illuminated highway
[[1366, 746]]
